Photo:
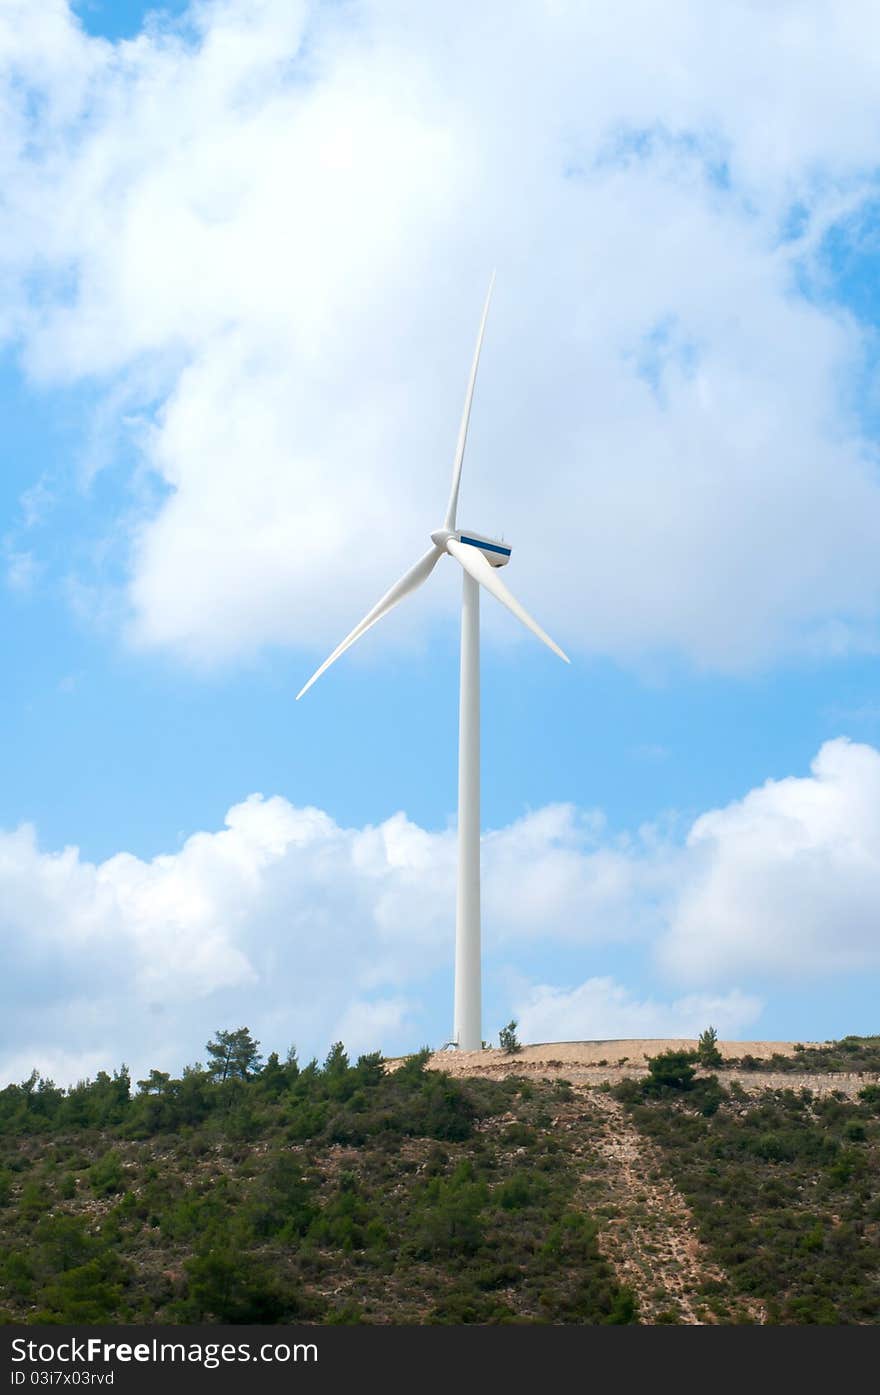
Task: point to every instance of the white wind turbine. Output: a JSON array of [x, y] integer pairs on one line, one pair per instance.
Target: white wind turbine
[[480, 559]]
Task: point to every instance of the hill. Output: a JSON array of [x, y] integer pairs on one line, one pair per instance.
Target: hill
[[415, 1194]]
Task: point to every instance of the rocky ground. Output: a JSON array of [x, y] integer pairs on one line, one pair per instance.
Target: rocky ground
[[573, 1058], [609, 1062]]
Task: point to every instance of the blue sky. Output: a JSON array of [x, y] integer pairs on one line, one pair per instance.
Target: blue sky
[[122, 19], [244, 253]]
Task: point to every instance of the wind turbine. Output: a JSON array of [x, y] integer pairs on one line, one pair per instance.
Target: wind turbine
[[480, 558]]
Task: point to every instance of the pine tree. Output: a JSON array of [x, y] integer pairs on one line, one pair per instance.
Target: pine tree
[[707, 1048], [234, 1055], [508, 1040]]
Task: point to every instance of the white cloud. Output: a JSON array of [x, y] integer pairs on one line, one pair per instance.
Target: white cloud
[[558, 873], [787, 880], [364, 1025], [53, 1063], [279, 218], [601, 1009], [309, 931], [312, 929]]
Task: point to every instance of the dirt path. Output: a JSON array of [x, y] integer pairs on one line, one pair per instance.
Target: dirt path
[[650, 1236]]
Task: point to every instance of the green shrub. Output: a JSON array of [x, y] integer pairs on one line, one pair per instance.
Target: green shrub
[[225, 1285], [671, 1070], [107, 1175], [90, 1293], [521, 1190]]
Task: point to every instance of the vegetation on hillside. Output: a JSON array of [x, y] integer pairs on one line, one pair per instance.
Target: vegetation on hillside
[[851, 1054], [252, 1191], [274, 1193], [784, 1186]]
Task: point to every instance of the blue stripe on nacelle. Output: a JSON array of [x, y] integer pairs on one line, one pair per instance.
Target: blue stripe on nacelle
[[486, 547]]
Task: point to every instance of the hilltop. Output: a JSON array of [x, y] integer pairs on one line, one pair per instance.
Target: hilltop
[[518, 1188], [756, 1065]]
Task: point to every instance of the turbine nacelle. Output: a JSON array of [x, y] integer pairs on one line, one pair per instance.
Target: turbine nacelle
[[495, 550]]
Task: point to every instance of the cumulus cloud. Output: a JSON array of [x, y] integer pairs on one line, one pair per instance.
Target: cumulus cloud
[[266, 230], [787, 880], [304, 929], [601, 1009], [560, 873], [311, 932]]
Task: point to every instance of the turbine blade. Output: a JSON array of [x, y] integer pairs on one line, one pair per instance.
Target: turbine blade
[[402, 588], [466, 416], [476, 566]]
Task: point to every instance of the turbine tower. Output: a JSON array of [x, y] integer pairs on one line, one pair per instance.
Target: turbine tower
[[480, 559]]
